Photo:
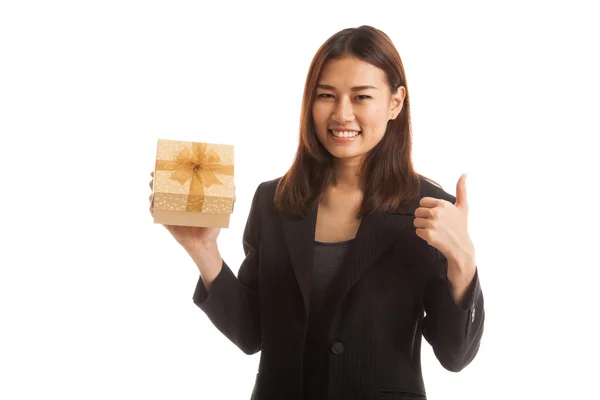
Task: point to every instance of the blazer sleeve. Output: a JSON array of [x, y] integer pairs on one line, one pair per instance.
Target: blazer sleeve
[[454, 331], [232, 303]]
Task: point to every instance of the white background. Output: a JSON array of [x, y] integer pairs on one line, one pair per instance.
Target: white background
[[96, 301]]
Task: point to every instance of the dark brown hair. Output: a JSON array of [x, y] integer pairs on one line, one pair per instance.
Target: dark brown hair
[[388, 178]]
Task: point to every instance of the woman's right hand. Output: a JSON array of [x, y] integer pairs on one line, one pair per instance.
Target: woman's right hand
[[193, 239]]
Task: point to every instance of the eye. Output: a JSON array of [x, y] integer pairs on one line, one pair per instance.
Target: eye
[[360, 97]]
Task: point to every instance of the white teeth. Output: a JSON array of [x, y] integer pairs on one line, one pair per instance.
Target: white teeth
[[344, 134]]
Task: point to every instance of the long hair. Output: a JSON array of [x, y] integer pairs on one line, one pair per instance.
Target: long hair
[[388, 179]]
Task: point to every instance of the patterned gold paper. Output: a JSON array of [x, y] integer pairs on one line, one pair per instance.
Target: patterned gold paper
[[193, 177]]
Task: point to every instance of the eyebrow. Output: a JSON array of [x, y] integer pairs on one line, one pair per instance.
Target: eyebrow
[[354, 89]]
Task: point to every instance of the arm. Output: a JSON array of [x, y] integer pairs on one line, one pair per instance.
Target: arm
[[453, 330], [232, 303]]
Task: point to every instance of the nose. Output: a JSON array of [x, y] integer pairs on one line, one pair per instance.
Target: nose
[[343, 111]]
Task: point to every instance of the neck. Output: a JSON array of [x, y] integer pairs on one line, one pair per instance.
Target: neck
[[346, 174]]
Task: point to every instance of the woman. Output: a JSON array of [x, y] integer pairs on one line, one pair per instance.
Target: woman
[[351, 256]]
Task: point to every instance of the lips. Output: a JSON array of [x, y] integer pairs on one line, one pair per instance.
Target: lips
[[343, 129], [347, 136]]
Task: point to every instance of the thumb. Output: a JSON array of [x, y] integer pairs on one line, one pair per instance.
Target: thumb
[[461, 193]]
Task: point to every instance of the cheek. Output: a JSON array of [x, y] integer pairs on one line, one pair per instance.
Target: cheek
[[374, 121], [319, 116], [316, 115], [318, 112], [373, 129], [374, 115]]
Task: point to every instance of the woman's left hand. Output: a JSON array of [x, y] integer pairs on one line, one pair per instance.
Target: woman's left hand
[[444, 226]]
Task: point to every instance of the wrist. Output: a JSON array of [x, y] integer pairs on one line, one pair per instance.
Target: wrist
[[461, 272], [464, 259], [203, 253], [201, 247]]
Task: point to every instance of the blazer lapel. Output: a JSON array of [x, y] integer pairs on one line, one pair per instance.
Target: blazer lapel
[[377, 231], [300, 235]]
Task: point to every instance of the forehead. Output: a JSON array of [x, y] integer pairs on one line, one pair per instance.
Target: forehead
[[349, 72]]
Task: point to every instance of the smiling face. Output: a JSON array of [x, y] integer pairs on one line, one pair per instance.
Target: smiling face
[[352, 107]]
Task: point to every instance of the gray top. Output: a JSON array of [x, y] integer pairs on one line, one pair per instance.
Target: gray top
[[327, 260]]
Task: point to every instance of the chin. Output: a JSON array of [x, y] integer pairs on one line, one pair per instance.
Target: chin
[[346, 155]]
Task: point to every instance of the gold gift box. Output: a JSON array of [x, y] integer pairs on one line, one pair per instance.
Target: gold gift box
[[193, 184]]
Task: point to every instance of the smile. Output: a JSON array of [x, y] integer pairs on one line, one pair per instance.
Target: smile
[[344, 134]]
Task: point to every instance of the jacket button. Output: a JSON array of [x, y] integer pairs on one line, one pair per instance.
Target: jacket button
[[337, 348]]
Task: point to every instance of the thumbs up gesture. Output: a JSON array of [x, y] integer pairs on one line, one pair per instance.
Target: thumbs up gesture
[[444, 225]]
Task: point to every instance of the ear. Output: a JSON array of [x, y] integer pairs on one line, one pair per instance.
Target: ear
[[397, 102]]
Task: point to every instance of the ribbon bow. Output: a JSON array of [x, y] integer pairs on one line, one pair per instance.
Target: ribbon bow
[[200, 166]]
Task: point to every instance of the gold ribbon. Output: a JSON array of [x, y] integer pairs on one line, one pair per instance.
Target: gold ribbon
[[200, 166]]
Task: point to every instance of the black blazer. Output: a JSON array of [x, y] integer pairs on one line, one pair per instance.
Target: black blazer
[[388, 281]]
